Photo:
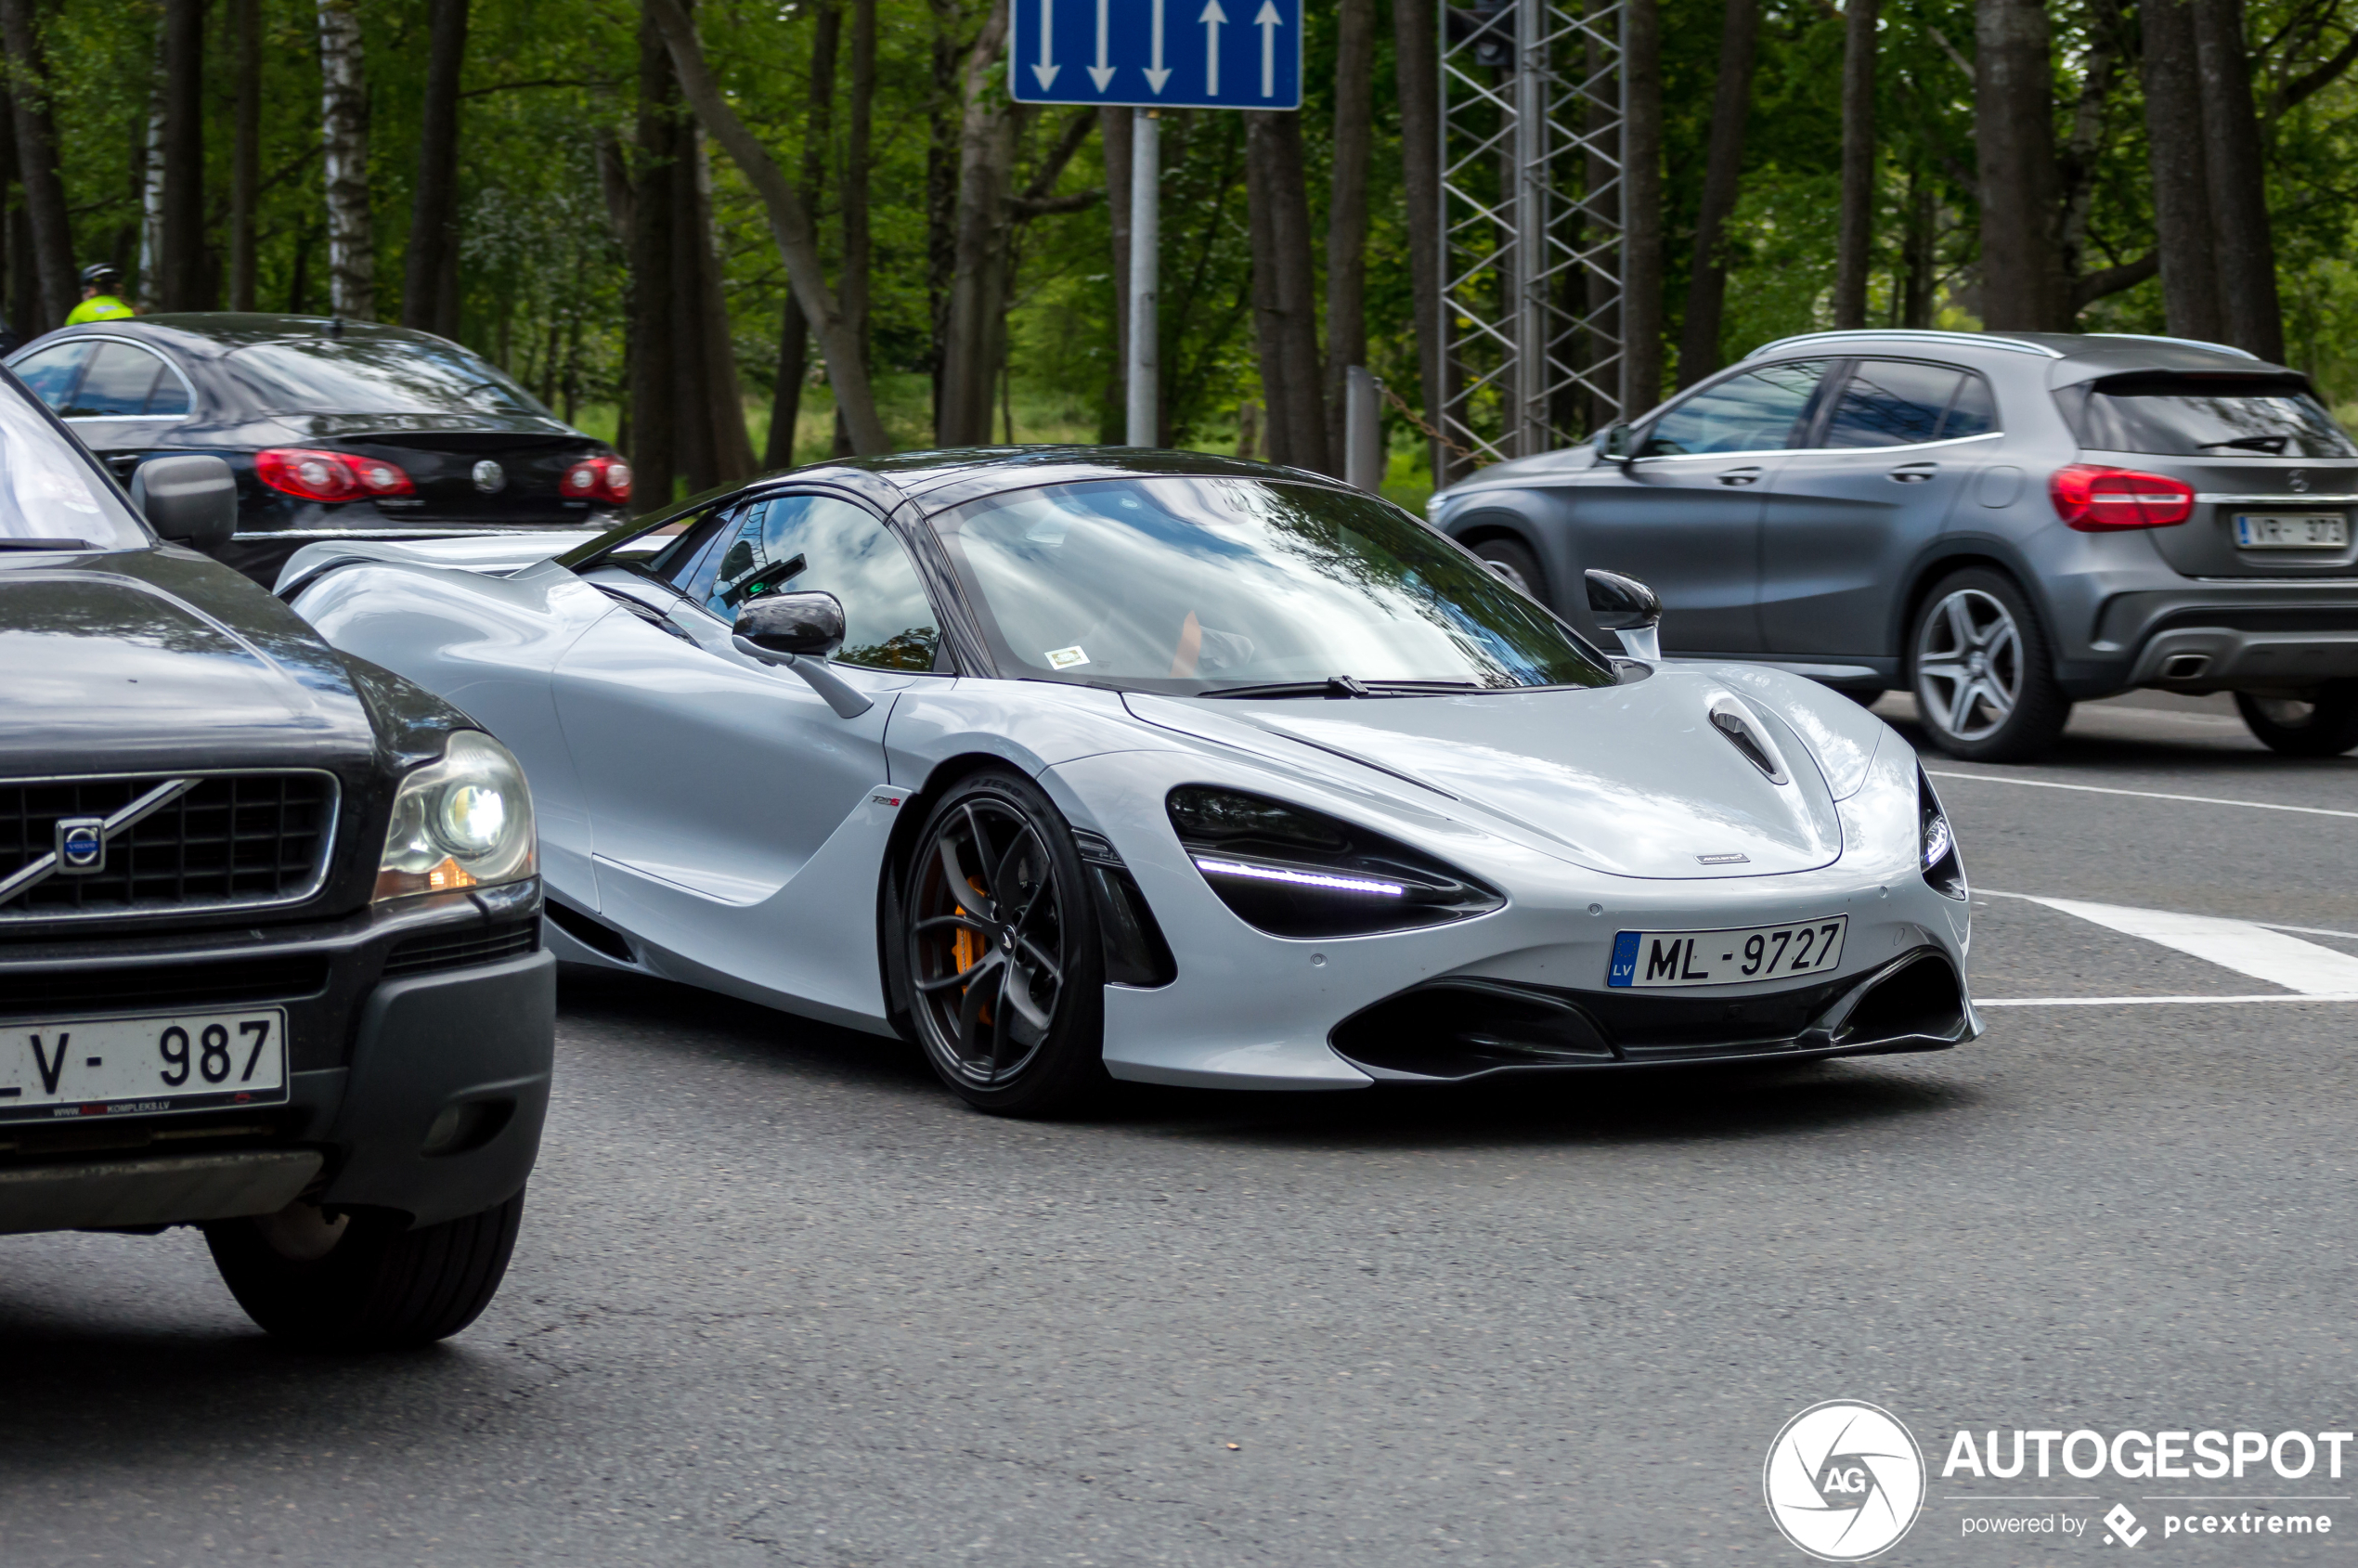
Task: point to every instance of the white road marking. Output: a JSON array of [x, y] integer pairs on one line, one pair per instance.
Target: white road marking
[[2148, 1001], [2234, 944], [2142, 793]]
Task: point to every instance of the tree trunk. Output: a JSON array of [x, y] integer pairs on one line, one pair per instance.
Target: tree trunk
[[785, 393], [790, 226], [1285, 301], [1855, 246], [2023, 286], [434, 211], [146, 186], [723, 390], [793, 327], [343, 117], [2182, 190], [245, 154], [1915, 301], [859, 158], [44, 194], [1115, 132], [986, 154], [1417, 74], [693, 433], [1642, 210], [2241, 235], [1347, 206], [183, 258], [941, 192], [653, 452], [1699, 353]]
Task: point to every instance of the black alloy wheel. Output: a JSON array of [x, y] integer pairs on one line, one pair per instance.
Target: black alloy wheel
[[2323, 722], [1006, 979]]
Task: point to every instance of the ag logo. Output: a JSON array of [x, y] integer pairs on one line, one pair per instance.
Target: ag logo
[[1843, 1480]]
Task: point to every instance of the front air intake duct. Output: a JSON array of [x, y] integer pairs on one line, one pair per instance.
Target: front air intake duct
[[1292, 871]]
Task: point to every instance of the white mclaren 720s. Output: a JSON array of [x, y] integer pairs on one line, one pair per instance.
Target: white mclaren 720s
[[1069, 764]]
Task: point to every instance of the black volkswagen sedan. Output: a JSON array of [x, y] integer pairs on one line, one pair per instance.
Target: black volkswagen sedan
[[270, 957], [332, 428]]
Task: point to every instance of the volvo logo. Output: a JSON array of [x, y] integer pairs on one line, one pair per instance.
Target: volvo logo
[[490, 478], [82, 845]]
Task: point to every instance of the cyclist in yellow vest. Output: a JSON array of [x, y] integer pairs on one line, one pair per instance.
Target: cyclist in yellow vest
[[99, 301]]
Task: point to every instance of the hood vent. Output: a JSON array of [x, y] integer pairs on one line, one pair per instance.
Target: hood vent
[[1746, 733]]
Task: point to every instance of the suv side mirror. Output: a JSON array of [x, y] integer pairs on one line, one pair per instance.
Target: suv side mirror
[[799, 630], [1629, 609], [191, 500], [794, 624], [1617, 443]]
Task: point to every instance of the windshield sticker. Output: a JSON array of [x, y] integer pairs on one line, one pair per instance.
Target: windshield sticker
[[1067, 658]]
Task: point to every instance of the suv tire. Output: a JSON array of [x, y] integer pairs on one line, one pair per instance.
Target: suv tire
[[1003, 962], [361, 1281], [2324, 725], [1517, 564], [1982, 672]]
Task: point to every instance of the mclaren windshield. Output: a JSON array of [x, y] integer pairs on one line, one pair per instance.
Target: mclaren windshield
[[1230, 586], [52, 495]]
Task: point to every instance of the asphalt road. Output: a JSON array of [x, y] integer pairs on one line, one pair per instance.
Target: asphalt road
[[780, 1300]]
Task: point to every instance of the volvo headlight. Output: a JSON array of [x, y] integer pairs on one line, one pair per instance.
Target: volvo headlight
[[1296, 873], [464, 822], [1936, 843]]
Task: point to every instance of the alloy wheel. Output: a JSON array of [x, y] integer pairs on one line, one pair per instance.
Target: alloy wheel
[[1969, 664], [988, 942]]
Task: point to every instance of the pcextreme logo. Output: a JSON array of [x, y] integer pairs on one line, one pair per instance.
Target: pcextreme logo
[[1843, 1480]]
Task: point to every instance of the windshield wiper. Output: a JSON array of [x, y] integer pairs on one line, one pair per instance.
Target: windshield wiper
[[2272, 445], [1344, 686], [58, 542]]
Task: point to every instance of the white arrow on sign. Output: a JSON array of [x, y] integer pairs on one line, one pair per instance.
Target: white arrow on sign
[[1212, 18], [1100, 72], [1047, 68], [1156, 74], [1269, 20]]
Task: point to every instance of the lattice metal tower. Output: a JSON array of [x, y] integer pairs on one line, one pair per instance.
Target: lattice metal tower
[[1532, 109]]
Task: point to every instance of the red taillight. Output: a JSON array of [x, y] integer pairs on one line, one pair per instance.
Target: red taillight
[[599, 479], [2096, 499], [328, 476]]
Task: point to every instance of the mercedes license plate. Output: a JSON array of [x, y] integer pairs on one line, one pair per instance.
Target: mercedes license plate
[[1661, 959], [2291, 530], [141, 1066]]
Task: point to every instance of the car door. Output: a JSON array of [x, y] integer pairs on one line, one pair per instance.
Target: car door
[[1683, 513], [122, 400], [712, 778], [1898, 441]]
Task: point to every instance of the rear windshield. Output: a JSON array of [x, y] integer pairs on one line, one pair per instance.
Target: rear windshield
[[2183, 416], [356, 375]]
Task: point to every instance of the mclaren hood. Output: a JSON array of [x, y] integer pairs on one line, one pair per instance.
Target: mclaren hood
[[1685, 775]]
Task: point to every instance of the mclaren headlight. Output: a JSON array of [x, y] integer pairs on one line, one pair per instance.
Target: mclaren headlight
[[1292, 871], [1936, 843], [464, 822]]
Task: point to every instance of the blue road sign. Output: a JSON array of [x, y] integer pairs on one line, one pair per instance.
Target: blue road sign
[[1178, 54]]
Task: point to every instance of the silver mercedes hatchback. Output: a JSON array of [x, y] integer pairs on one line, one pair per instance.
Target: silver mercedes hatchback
[[2005, 525]]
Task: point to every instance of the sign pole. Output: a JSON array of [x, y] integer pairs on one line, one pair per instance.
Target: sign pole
[[1145, 216]]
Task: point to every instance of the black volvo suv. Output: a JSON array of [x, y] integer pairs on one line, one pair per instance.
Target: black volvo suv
[[270, 959]]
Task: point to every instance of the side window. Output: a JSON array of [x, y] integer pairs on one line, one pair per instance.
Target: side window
[[1758, 411], [1973, 413], [49, 373], [1891, 403], [122, 383], [813, 544]]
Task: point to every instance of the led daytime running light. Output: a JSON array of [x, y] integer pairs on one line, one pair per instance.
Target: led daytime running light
[[1300, 878], [1937, 839]]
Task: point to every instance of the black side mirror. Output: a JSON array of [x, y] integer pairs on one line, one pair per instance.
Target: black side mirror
[[1617, 443], [1629, 609], [800, 624], [191, 500]]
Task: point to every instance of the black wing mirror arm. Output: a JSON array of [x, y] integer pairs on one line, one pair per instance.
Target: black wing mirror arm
[[847, 702]]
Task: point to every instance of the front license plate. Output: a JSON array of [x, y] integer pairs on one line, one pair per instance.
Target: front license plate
[[1659, 960], [140, 1067], [2291, 530]]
